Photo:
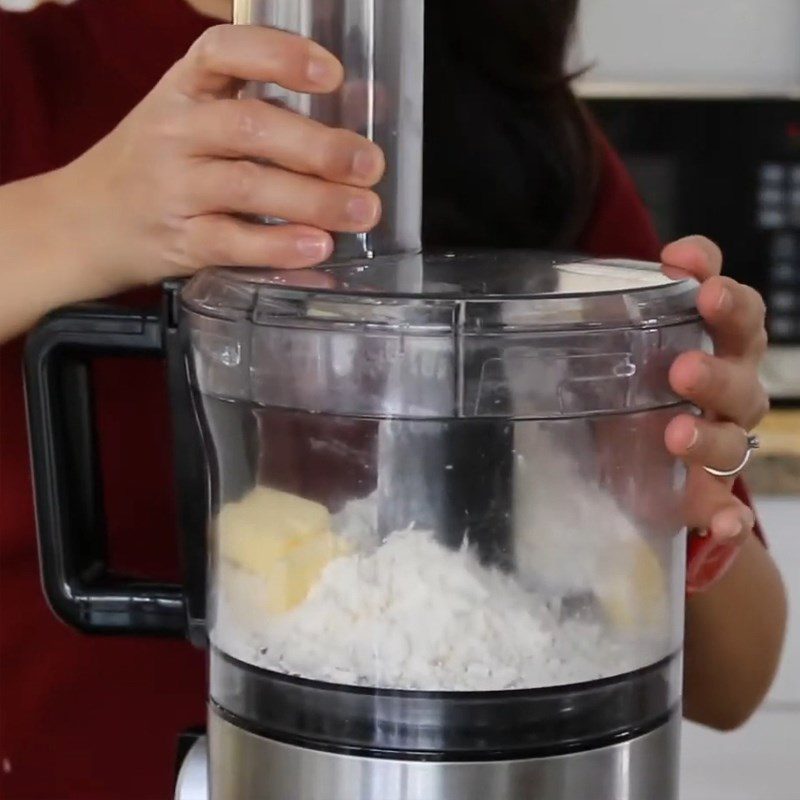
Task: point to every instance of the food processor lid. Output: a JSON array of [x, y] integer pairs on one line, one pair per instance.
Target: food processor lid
[[509, 289], [503, 333]]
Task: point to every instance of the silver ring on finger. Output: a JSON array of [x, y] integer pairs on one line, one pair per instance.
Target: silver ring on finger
[[753, 443]]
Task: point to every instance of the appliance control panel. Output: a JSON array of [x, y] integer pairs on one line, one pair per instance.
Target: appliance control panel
[[778, 215], [784, 285], [727, 167], [779, 196]]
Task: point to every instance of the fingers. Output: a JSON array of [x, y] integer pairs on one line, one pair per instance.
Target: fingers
[[241, 187], [220, 240], [257, 130], [735, 315], [732, 521], [302, 278], [720, 445], [730, 390], [726, 387], [734, 312], [711, 507], [694, 256], [227, 54]]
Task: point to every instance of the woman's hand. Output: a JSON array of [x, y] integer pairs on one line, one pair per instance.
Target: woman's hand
[[735, 629], [166, 192], [725, 386]]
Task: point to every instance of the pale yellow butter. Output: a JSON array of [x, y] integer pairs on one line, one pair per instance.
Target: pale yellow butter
[[280, 538], [636, 597]]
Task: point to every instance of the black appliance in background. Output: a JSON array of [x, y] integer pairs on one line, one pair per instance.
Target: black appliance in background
[[728, 168]]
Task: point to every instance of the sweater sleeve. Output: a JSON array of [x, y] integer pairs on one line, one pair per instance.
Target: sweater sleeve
[[620, 225]]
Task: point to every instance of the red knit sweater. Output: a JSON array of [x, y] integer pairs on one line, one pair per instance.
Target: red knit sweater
[[96, 719]]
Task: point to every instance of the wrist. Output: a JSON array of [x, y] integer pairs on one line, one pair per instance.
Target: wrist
[[85, 254], [46, 256]]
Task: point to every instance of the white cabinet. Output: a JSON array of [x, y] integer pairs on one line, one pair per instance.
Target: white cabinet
[[26, 5], [744, 43]]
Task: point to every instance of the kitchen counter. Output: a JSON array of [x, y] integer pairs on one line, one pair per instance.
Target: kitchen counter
[[775, 468]]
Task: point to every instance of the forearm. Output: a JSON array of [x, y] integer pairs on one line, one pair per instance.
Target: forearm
[[47, 253], [734, 638]]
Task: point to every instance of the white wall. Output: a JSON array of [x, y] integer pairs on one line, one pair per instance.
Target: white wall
[[722, 42], [26, 5]]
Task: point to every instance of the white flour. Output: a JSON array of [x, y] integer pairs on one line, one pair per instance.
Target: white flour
[[413, 614]]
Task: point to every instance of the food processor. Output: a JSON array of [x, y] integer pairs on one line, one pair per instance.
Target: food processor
[[432, 536]]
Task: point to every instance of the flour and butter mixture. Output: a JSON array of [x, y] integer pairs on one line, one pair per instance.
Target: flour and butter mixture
[[409, 613]]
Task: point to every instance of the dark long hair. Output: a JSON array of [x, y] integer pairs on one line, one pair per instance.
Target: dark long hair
[[509, 160]]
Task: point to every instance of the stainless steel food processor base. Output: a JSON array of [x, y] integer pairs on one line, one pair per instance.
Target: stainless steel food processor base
[[244, 766]]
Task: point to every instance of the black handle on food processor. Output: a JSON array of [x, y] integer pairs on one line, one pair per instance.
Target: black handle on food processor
[[73, 547]]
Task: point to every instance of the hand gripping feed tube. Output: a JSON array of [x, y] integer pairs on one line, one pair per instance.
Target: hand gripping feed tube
[[380, 44]]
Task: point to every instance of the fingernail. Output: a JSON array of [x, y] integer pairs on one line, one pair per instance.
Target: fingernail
[[725, 302], [365, 163], [728, 528], [676, 273], [313, 247], [701, 377], [320, 70], [361, 211], [695, 437]]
